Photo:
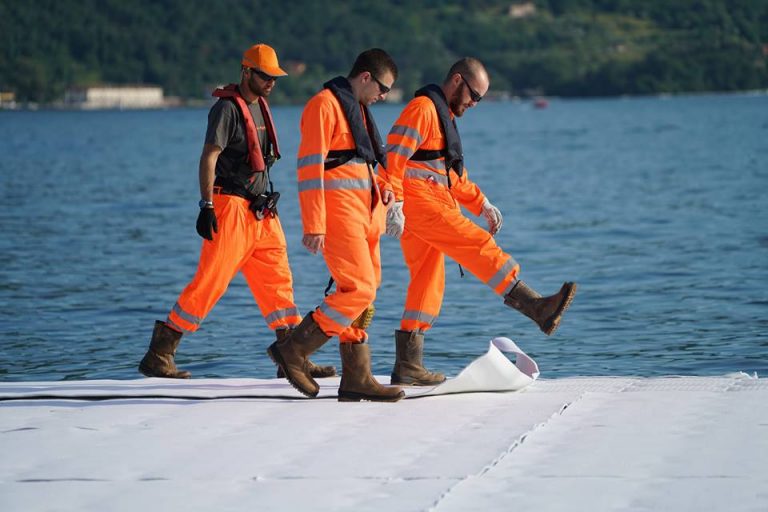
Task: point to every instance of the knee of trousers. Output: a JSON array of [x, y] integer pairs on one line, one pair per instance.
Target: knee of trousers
[[366, 297], [361, 292], [354, 303]]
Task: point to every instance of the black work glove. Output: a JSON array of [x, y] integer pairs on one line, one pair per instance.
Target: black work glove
[[206, 223]]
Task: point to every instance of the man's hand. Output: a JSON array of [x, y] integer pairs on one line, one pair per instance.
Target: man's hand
[[314, 243], [493, 216], [206, 223], [395, 220], [388, 198]]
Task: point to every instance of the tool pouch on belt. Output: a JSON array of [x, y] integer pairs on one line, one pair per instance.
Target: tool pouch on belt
[[264, 205]]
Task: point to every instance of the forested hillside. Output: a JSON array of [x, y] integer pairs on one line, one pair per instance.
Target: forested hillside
[[558, 47]]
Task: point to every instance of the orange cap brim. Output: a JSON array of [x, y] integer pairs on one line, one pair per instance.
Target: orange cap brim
[[271, 71]]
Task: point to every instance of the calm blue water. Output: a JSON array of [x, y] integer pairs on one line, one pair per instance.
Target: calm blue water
[[658, 208]]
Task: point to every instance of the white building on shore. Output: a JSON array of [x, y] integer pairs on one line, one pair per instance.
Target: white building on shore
[[115, 96], [7, 100]]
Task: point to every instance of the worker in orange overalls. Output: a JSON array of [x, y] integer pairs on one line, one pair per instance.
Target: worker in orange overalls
[[238, 218], [343, 213], [426, 170]]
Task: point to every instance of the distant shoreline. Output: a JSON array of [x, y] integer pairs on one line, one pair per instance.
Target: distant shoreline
[[177, 104]]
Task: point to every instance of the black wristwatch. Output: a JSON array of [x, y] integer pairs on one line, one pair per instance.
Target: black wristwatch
[[205, 204]]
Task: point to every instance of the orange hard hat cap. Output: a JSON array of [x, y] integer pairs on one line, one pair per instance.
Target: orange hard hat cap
[[263, 58]]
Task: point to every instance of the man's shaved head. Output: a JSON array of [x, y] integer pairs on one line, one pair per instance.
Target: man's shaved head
[[465, 85], [469, 67]]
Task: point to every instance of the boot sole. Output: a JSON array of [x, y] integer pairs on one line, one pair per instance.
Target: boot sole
[[396, 381], [144, 371], [276, 358], [350, 396], [554, 321], [148, 373], [315, 375]]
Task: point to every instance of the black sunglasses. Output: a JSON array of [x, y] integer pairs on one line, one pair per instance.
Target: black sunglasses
[[472, 93], [383, 89], [263, 75]]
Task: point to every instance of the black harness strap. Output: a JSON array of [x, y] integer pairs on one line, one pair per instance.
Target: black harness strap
[[339, 157], [421, 155], [328, 288]]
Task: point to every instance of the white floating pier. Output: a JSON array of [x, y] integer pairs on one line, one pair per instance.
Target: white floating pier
[[574, 444]]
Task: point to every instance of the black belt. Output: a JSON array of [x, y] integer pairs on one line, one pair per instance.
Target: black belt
[[261, 205], [226, 191]]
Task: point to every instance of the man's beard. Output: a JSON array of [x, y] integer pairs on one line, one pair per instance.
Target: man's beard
[[454, 103], [257, 90]]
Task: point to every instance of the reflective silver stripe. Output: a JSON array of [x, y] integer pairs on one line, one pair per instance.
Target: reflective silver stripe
[[498, 278], [356, 160], [335, 315], [400, 129], [419, 316], [509, 287], [438, 165], [423, 174], [176, 326], [186, 316], [337, 184], [281, 313], [316, 184], [400, 150], [309, 160], [348, 184]]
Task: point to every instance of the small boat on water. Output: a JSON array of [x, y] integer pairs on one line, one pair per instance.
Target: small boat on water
[[540, 103]]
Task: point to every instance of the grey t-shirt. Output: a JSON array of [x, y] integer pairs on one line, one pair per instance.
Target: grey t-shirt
[[226, 130]]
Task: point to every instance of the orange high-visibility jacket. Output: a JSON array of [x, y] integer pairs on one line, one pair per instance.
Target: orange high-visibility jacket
[[418, 127], [340, 194]]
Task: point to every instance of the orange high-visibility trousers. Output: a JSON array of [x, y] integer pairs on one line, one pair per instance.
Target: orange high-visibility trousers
[[257, 248], [435, 227], [353, 259]]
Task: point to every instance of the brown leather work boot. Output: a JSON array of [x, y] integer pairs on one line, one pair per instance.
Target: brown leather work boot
[[291, 355], [357, 383], [158, 361], [545, 311], [409, 368], [316, 371]]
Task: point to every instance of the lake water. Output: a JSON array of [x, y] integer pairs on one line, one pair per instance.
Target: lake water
[[657, 207]]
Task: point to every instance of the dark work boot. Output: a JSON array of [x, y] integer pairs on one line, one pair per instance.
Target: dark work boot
[[291, 354], [357, 383], [545, 311], [316, 371], [158, 361], [409, 368]]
